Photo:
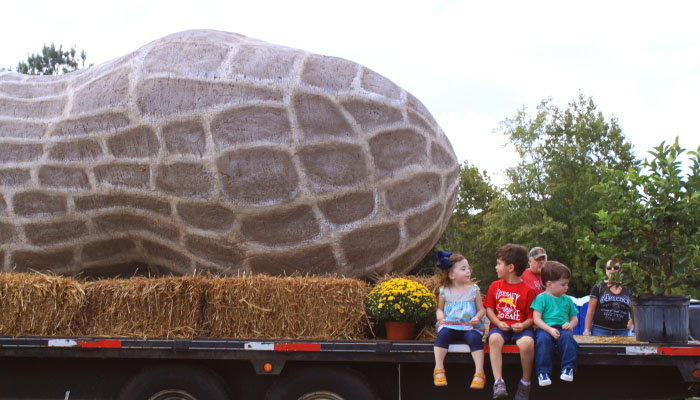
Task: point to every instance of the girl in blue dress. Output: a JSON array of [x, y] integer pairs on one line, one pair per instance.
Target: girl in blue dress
[[459, 313]]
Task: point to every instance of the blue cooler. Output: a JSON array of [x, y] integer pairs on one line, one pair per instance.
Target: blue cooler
[[582, 307]]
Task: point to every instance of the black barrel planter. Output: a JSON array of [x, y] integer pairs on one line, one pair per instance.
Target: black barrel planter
[[661, 319]]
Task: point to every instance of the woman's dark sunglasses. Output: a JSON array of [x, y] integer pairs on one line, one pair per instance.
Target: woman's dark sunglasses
[[614, 267]]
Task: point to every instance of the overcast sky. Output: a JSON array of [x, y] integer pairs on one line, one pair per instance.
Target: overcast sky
[[472, 63]]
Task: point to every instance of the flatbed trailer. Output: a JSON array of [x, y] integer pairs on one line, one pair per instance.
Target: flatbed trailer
[[70, 368]]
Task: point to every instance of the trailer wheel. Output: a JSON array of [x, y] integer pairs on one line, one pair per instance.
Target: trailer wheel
[[174, 382], [317, 383]]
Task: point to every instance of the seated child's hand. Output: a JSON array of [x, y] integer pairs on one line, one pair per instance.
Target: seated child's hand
[[568, 327], [517, 327], [503, 326], [474, 321], [554, 332]]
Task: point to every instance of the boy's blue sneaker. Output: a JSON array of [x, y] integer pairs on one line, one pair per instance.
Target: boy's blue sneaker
[[567, 375], [543, 379], [499, 389]]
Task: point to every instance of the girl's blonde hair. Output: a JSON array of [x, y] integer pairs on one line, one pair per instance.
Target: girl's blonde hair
[[445, 273]]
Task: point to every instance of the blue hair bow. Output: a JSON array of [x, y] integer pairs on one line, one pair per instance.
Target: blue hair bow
[[444, 259]]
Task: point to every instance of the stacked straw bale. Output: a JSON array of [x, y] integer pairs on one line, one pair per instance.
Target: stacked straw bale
[[297, 307], [259, 306], [146, 307], [40, 305]]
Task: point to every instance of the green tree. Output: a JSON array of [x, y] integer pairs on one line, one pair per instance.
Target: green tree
[[52, 61], [650, 220], [548, 200]]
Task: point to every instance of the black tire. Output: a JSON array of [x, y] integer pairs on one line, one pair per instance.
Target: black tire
[[175, 381], [316, 383]]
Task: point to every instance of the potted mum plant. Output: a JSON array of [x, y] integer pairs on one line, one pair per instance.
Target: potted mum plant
[[400, 304], [651, 223]]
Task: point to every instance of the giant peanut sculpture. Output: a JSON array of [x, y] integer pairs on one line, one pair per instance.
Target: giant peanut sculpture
[[211, 151]]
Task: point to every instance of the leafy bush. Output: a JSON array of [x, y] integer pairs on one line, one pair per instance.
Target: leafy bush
[[401, 300], [651, 222]]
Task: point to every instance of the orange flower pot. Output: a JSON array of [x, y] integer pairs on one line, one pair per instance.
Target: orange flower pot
[[400, 330]]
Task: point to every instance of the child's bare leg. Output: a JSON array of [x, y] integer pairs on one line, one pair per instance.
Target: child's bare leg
[[440, 354], [439, 377], [527, 355], [496, 356], [478, 357]]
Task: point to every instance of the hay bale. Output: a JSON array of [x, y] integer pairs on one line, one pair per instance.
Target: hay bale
[[34, 304], [259, 306], [297, 307], [144, 307]]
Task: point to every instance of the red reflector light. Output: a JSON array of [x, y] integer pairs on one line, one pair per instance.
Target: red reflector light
[[696, 374]]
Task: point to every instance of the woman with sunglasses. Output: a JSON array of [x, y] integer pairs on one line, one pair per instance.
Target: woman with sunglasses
[[609, 310]]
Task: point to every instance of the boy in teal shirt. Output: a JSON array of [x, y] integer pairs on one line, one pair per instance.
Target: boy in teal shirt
[[555, 315]]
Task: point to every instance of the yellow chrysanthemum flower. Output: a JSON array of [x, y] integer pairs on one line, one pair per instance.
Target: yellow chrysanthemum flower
[[401, 300]]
